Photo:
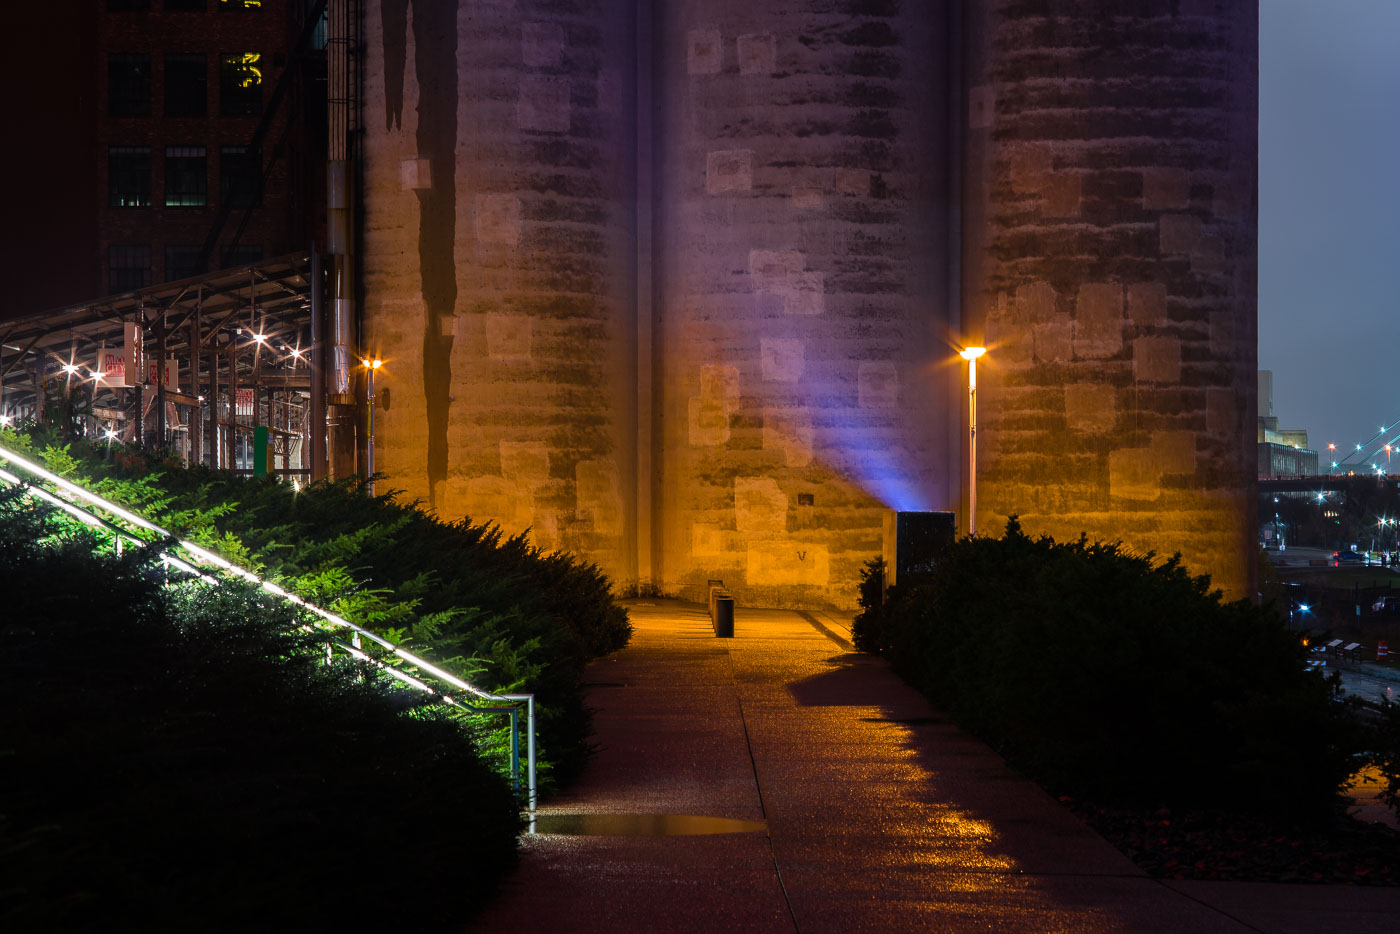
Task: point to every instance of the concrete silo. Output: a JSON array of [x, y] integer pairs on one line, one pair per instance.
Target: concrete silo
[[499, 263], [1110, 254]]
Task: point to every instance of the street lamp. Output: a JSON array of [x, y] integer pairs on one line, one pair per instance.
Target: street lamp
[[970, 354], [370, 367]]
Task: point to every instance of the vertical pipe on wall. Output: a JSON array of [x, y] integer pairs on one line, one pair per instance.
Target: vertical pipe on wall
[[316, 419], [339, 227]]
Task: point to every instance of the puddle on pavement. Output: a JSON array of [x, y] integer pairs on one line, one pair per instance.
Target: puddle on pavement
[[642, 825]]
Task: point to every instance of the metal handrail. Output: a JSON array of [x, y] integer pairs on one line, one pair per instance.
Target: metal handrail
[[357, 632]]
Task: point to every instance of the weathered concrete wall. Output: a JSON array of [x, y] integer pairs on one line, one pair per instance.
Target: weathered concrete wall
[[498, 263], [1111, 255], [801, 269], [677, 285]]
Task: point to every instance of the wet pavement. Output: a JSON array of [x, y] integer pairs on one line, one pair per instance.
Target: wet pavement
[[846, 804]]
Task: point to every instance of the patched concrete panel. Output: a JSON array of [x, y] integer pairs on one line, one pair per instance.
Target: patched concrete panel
[[1147, 303], [1091, 407], [1166, 189], [729, 170], [808, 199], [1175, 451], [1052, 341], [788, 432], [1098, 320], [704, 52], [758, 54], [1133, 475], [415, 174], [877, 384], [1036, 302], [508, 337], [787, 564], [851, 181], [543, 104], [706, 539], [1157, 359], [782, 274], [489, 499], [781, 359], [1060, 195], [760, 505], [710, 411], [525, 462], [498, 219], [598, 495]]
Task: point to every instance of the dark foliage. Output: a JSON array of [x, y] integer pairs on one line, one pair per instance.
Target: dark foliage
[[182, 758], [497, 610], [1107, 675]]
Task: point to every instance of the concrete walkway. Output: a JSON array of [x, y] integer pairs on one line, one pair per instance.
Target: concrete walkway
[[879, 815]]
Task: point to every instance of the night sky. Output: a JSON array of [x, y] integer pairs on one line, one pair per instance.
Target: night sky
[[1329, 215]]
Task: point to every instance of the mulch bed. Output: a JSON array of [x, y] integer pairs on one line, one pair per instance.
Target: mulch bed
[[1178, 844]]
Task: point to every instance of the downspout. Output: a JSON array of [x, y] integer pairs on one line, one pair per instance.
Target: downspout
[[341, 402]]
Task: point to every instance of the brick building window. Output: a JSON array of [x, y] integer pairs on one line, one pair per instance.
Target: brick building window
[[240, 176], [128, 84], [181, 261], [244, 254], [186, 177], [186, 84], [184, 6], [128, 6], [240, 84], [128, 266], [129, 176]]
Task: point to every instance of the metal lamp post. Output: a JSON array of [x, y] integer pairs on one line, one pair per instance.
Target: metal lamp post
[[370, 367], [970, 354]]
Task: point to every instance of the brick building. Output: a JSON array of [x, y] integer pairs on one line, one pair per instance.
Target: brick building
[[159, 150]]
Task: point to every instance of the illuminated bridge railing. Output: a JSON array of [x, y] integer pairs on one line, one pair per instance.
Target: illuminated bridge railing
[[80, 504]]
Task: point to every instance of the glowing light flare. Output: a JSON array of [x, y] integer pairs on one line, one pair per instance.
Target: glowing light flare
[[972, 353]]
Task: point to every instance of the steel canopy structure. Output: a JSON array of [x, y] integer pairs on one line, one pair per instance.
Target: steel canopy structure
[[239, 350]]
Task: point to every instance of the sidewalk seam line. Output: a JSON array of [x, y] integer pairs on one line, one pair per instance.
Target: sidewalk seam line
[[758, 787]]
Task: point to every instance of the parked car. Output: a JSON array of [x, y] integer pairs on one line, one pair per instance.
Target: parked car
[[1386, 605], [1348, 557]]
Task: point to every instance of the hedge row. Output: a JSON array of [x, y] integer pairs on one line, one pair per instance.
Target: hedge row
[[491, 607], [1112, 676], [182, 758]]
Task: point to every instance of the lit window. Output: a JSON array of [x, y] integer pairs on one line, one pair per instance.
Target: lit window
[[240, 176], [128, 266], [186, 84], [240, 84], [129, 176], [186, 177], [128, 84]]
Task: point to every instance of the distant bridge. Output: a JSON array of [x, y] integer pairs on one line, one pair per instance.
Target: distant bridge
[[1329, 483]]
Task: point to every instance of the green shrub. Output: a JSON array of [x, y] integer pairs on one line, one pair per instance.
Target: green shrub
[[1106, 674], [491, 607], [184, 758]]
